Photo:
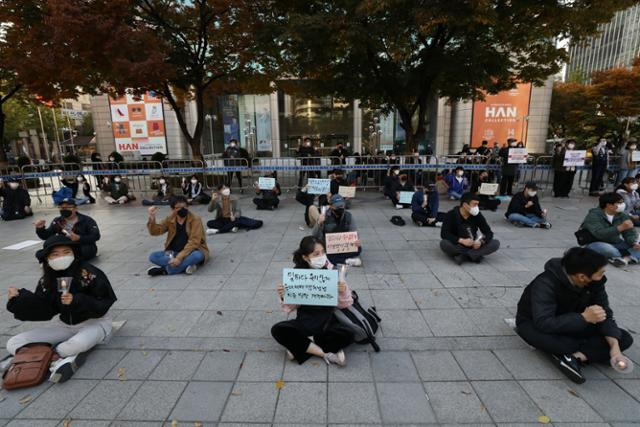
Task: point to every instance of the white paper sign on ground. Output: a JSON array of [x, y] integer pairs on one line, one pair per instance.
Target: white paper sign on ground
[[318, 186], [347, 191], [265, 183], [517, 155], [574, 157], [310, 286], [405, 197], [22, 245], [488, 189], [339, 243]]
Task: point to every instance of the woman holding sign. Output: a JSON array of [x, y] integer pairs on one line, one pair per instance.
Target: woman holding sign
[[315, 331]]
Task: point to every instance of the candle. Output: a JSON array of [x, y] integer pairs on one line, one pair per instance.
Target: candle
[[621, 364]]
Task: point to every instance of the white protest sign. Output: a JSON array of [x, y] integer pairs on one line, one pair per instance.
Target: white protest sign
[[339, 243], [22, 245], [517, 155], [635, 156], [574, 157], [310, 286], [405, 197], [488, 189], [265, 183], [347, 191], [318, 186]]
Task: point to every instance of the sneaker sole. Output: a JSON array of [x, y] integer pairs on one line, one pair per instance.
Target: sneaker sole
[[568, 371], [66, 371], [191, 269]]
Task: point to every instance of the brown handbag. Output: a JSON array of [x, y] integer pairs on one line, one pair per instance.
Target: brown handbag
[[30, 366]]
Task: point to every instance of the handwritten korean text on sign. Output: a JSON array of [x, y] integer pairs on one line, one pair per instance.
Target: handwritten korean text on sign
[[265, 183], [318, 186], [517, 155], [574, 157], [339, 243], [347, 191], [405, 197], [310, 286]]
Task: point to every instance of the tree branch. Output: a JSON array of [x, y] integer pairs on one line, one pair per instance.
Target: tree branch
[[12, 92]]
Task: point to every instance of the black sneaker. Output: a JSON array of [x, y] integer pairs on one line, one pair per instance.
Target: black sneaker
[[459, 259], [156, 271], [63, 369], [570, 366]]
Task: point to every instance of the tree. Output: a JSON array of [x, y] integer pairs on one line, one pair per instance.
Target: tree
[[399, 54], [571, 106], [177, 48]]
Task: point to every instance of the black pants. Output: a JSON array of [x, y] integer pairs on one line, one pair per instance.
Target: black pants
[[291, 335], [310, 174], [224, 225], [562, 183], [10, 214], [88, 252], [590, 342], [230, 178], [394, 199], [422, 218], [597, 175], [262, 204], [506, 185], [488, 203], [453, 249]]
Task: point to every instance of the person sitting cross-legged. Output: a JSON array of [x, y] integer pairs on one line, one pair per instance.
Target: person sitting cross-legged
[[268, 198], [525, 210], [16, 202], [424, 207], [338, 220], [466, 236], [185, 247], [227, 215], [565, 312]]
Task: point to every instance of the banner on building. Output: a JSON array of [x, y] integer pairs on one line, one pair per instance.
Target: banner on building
[[501, 116], [138, 124]]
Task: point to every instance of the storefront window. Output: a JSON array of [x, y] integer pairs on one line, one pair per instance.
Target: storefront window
[[255, 127]]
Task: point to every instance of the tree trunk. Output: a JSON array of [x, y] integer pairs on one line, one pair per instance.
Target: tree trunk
[[3, 154]]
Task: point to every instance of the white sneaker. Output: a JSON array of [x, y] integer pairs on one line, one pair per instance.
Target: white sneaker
[[354, 262], [191, 269], [63, 369], [211, 231], [399, 207], [335, 358], [290, 355], [234, 230]]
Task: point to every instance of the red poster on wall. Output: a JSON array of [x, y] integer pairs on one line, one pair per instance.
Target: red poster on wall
[[501, 116]]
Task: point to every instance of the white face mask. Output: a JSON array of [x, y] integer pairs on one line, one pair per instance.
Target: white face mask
[[318, 262], [61, 263], [621, 207], [570, 146], [532, 193], [474, 210], [162, 181], [460, 174], [226, 192], [117, 179], [634, 187], [80, 179], [396, 172], [633, 147], [194, 181], [13, 185]]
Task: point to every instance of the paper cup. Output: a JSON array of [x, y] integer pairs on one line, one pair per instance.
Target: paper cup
[[621, 364], [64, 284]]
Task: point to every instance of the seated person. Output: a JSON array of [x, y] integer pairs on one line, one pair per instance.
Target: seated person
[[83, 308], [185, 247], [117, 191], [565, 312], [311, 212], [164, 192], [16, 202], [338, 220], [227, 215], [424, 206], [315, 331], [194, 191], [465, 233], [457, 183], [613, 232], [80, 189], [268, 199], [403, 184], [524, 208], [486, 201], [628, 189], [337, 180], [79, 228]]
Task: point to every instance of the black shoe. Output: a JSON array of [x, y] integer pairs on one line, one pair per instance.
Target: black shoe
[[459, 259], [477, 260], [67, 367], [570, 366], [156, 271]]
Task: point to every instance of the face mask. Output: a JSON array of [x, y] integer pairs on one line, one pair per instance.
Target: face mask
[[633, 147], [117, 179], [474, 210], [460, 173], [111, 159], [66, 213], [183, 212], [80, 179], [232, 145], [570, 146], [621, 207], [634, 187], [318, 262], [307, 144], [61, 263], [396, 172], [162, 181], [532, 193], [194, 181], [13, 185], [226, 192], [338, 212]]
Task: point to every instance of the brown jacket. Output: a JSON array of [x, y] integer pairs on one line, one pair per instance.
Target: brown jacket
[[195, 231]]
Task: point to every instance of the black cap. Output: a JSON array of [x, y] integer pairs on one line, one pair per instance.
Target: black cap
[[532, 185], [53, 242]]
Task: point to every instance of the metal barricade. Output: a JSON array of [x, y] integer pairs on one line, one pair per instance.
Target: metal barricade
[[137, 175], [179, 172], [95, 172], [42, 180], [223, 171], [285, 170]]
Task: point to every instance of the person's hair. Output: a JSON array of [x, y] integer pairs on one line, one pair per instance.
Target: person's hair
[[609, 199], [468, 198], [306, 247], [480, 172], [404, 176], [485, 142], [49, 281], [459, 168], [530, 185], [221, 186], [582, 260], [630, 143], [338, 172], [570, 141], [626, 181], [306, 139], [177, 199], [193, 176], [233, 140]]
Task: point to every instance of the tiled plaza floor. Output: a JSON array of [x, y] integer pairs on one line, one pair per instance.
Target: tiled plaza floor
[[197, 349]]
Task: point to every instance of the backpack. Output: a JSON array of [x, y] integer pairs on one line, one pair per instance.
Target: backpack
[[363, 323], [63, 193]]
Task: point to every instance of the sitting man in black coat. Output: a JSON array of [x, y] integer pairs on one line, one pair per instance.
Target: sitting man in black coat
[[81, 229], [565, 312], [16, 203]]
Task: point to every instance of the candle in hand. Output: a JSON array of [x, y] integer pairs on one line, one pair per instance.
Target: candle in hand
[[621, 364]]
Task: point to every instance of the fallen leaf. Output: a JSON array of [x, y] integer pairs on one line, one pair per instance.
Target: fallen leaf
[[66, 423], [279, 384], [197, 424], [121, 374], [314, 363], [543, 419], [465, 392], [260, 350], [226, 350], [174, 423], [269, 311], [26, 399], [145, 353], [152, 289], [2, 398], [575, 393], [236, 393], [219, 313]]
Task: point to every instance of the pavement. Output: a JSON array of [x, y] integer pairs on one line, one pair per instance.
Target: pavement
[[197, 350]]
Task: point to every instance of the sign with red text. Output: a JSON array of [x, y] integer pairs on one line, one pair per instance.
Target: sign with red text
[[339, 243]]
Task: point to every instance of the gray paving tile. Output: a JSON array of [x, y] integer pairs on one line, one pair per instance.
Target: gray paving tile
[[450, 322], [506, 401], [353, 403], [178, 366], [404, 403], [393, 299], [201, 401], [11, 405], [610, 401], [136, 365], [217, 323], [314, 369], [455, 402], [153, 401], [262, 366], [437, 366], [56, 402], [403, 324], [555, 400], [358, 369], [393, 366], [99, 363], [251, 403], [219, 366], [528, 364], [433, 298], [481, 365], [106, 400], [302, 403]]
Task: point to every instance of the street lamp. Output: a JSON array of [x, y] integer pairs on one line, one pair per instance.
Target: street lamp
[[210, 118]]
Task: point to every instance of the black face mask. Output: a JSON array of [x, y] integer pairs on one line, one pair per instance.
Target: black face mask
[[183, 212], [338, 212], [66, 213]]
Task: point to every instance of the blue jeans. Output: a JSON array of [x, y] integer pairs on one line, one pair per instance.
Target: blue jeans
[[82, 200], [530, 220], [454, 194], [623, 173], [611, 251], [161, 259]]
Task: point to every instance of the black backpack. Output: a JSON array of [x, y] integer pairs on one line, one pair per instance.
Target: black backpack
[[363, 323]]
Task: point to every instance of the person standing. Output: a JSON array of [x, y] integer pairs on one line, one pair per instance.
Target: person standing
[[627, 165], [339, 154], [599, 165], [233, 158], [307, 153], [508, 170], [563, 175]]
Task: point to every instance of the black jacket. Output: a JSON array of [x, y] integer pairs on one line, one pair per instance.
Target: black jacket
[[85, 227], [508, 169], [14, 200], [335, 184], [518, 202], [455, 227], [92, 298], [554, 305]]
